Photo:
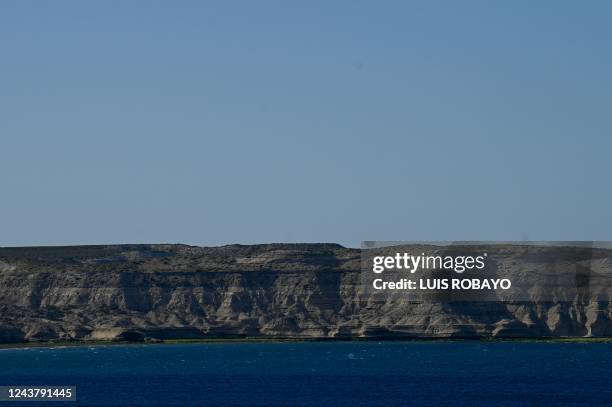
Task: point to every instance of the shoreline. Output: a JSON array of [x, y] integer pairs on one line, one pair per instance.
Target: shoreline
[[221, 341]]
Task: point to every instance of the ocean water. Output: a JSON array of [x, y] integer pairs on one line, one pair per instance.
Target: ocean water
[[321, 373]]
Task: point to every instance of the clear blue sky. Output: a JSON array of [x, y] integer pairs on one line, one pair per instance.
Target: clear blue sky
[[220, 122]]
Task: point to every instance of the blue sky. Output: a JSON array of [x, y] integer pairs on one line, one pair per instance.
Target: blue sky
[[248, 122]]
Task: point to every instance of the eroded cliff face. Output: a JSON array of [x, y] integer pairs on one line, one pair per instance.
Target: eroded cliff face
[[135, 292]]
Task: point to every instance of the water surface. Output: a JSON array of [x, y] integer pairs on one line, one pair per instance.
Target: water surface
[[321, 373]]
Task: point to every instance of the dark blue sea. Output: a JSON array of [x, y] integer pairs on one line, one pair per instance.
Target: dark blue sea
[[321, 373]]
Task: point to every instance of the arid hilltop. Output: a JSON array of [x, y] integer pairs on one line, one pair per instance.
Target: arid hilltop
[[157, 292]]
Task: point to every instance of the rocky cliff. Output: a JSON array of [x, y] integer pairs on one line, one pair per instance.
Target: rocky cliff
[[139, 292]]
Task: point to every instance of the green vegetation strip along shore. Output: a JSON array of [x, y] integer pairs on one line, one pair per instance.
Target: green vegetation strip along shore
[[52, 344]]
